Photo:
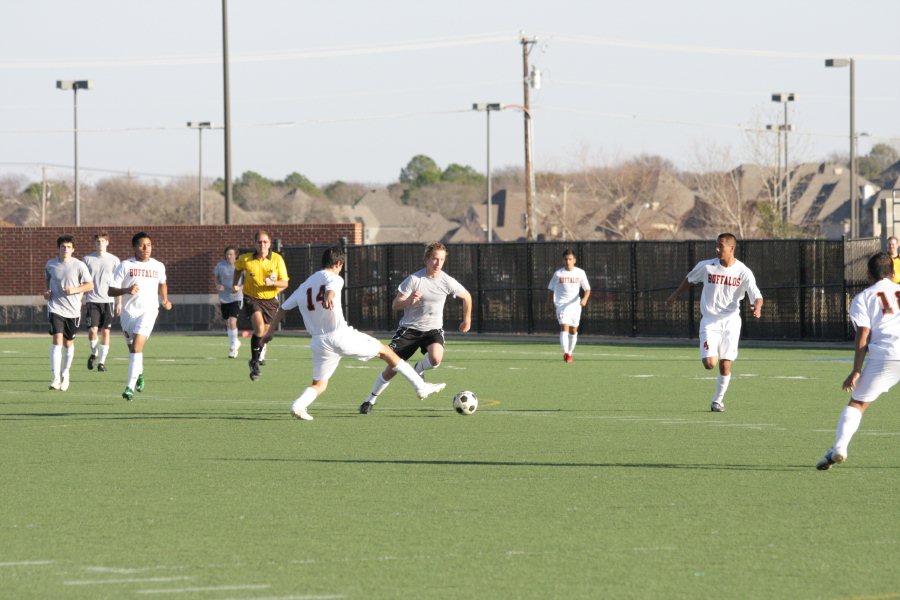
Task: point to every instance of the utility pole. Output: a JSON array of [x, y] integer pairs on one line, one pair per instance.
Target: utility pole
[[227, 96], [527, 45]]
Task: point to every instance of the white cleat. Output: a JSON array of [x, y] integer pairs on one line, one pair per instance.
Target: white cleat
[[429, 389], [233, 353], [717, 407], [300, 413], [54, 385], [64, 382]]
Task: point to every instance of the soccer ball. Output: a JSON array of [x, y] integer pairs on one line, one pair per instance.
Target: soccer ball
[[465, 403]]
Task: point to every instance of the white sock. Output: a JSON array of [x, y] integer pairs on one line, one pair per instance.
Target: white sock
[[306, 398], [379, 386], [846, 427], [424, 365], [407, 371], [55, 360], [262, 354], [93, 344], [573, 339], [68, 354], [104, 352], [722, 382], [135, 367], [232, 338], [564, 341]]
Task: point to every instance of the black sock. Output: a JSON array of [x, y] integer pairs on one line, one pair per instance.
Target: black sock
[[255, 348]]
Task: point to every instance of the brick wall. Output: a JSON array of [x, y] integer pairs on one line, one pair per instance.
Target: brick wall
[[190, 252]]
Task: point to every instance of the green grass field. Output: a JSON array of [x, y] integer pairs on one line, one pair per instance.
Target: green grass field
[[605, 478]]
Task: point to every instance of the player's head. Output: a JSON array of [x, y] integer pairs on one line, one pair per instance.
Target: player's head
[[136, 238], [263, 243], [569, 258], [880, 266], [101, 240], [65, 239], [727, 239], [232, 250], [433, 247], [893, 244], [143, 246], [435, 255], [332, 257]]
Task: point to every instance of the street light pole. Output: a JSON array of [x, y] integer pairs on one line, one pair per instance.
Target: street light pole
[[487, 108], [200, 126], [854, 193], [784, 98], [75, 85], [227, 101]]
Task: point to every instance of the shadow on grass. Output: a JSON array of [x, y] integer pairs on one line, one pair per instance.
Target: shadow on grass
[[76, 416]]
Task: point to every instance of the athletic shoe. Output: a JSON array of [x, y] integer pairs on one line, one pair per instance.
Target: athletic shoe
[[831, 458], [366, 407], [101, 368], [429, 389], [568, 358], [139, 386], [233, 353], [64, 382], [54, 385], [717, 407], [254, 370], [91, 360], [300, 413], [128, 394]]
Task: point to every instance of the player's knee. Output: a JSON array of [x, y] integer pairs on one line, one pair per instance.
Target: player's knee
[[709, 363]]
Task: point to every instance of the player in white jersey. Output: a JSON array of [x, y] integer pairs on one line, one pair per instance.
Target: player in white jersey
[[230, 301], [569, 293], [67, 279], [726, 281], [101, 308], [319, 301], [421, 297], [142, 282], [875, 313]]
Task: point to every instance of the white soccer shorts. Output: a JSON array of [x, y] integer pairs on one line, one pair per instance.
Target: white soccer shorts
[[878, 376], [569, 314], [720, 338], [328, 349], [141, 324]]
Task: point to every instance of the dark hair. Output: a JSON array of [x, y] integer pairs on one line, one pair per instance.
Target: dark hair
[[138, 237], [103, 235], [880, 266], [262, 232], [65, 239], [567, 252], [728, 237], [333, 256], [227, 248], [434, 247]]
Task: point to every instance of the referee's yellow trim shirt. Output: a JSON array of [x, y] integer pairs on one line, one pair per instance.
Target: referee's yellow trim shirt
[[257, 269]]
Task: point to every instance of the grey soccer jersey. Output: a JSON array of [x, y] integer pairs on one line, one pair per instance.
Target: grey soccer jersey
[[428, 313], [60, 275], [224, 274], [102, 268]]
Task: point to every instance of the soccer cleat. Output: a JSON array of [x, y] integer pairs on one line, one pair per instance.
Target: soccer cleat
[[300, 413], [128, 394], [54, 385], [831, 458], [429, 389], [139, 386], [366, 407], [233, 353], [717, 407], [91, 360], [254, 370], [568, 358], [101, 368], [64, 382]]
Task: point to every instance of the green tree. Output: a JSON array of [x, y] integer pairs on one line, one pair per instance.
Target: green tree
[[879, 158], [296, 181], [455, 173], [419, 171]]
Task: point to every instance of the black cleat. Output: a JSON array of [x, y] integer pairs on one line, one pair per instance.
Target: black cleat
[[254, 370], [101, 368], [366, 407], [91, 360]]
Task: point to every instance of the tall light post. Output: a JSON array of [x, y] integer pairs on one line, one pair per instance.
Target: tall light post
[[200, 126], [75, 85], [226, 94], [784, 98], [854, 193], [488, 108]]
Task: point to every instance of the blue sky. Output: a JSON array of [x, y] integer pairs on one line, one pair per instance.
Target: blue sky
[[353, 89]]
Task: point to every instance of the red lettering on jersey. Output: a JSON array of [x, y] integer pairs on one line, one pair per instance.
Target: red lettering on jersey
[[723, 280]]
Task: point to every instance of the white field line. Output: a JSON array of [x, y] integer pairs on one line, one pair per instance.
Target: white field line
[[304, 597], [27, 563], [217, 588], [126, 580]]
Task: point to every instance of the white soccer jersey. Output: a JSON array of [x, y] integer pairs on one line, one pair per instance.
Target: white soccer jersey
[[60, 275], [308, 298], [148, 276], [723, 287], [428, 313], [878, 308], [102, 268], [567, 285]]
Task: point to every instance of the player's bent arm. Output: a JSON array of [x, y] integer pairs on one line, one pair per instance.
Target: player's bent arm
[[163, 290], [400, 302], [584, 299], [678, 291], [757, 308], [466, 298], [115, 292]]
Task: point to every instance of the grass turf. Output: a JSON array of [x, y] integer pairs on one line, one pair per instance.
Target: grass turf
[[608, 477]]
